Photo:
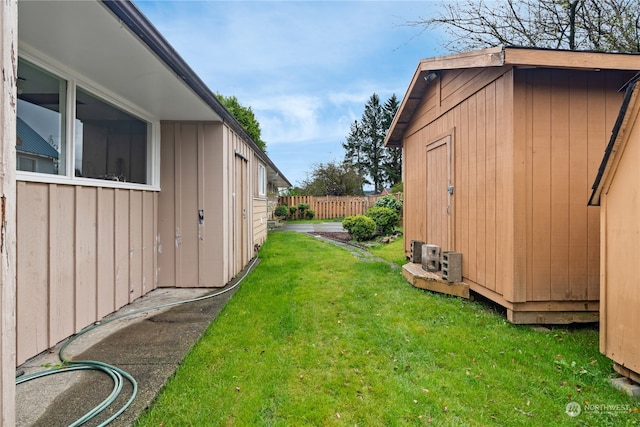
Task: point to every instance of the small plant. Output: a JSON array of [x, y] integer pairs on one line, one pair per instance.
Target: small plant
[[389, 202], [281, 211], [360, 227], [384, 218], [292, 211], [310, 214], [302, 207]]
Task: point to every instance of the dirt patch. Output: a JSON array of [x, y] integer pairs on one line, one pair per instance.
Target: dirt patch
[[337, 236]]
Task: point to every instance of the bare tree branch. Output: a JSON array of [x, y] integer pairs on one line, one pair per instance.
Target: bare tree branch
[[601, 25]]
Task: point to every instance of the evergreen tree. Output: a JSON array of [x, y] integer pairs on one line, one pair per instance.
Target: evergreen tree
[[392, 162], [354, 155], [364, 146], [373, 134]]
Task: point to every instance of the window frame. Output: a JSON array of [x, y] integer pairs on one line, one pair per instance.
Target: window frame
[[73, 83]]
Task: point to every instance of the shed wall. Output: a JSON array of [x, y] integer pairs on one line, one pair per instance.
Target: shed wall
[[527, 145], [474, 115], [82, 253], [620, 294], [566, 119]]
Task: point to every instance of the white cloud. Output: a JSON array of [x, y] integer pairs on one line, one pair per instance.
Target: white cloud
[[306, 68]]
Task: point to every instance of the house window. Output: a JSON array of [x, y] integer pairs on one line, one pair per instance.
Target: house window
[[40, 127], [262, 180], [103, 141], [109, 143]]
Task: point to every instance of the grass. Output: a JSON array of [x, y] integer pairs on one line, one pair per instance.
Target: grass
[[393, 251], [316, 337]]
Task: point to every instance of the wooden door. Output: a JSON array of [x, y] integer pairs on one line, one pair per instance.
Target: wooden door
[[439, 194], [240, 227]]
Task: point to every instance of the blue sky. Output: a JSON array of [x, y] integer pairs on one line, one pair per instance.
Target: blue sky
[[306, 68]]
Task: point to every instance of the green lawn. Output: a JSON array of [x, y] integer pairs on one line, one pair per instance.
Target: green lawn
[[317, 337]]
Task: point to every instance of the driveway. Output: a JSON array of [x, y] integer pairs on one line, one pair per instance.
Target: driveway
[[324, 227]]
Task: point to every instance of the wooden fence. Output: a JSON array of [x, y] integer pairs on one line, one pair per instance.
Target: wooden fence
[[330, 207]]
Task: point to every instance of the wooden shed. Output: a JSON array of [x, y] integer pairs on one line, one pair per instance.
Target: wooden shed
[[500, 147], [617, 191], [155, 184]]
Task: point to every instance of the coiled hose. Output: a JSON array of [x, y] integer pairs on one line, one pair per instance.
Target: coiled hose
[[117, 375]]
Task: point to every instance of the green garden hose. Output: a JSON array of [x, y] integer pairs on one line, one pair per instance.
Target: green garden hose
[[116, 374]]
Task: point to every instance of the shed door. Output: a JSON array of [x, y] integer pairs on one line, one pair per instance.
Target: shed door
[[439, 194]]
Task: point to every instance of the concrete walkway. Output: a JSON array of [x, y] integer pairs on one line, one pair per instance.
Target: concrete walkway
[[149, 345]]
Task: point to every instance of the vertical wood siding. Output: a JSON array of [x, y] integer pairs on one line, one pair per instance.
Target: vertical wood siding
[[81, 254], [260, 216], [526, 144], [204, 167], [620, 225]]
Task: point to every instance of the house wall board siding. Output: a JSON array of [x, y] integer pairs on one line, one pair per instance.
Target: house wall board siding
[[207, 167], [64, 283], [61, 231], [189, 256], [122, 254], [85, 257], [32, 300], [106, 253], [260, 215]]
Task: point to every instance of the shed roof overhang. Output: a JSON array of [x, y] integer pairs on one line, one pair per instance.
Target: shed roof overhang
[[498, 57], [113, 46], [629, 110]]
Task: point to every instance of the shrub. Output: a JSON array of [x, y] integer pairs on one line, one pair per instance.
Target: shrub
[[292, 211], [385, 219], [389, 202], [301, 208], [310, 214], [360, 227], [281, 211]]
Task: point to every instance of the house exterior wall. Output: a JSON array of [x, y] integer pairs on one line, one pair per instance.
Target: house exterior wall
[[8, 55], [526, 145], [260, 216], [620, 252], [260, 202], [82, 253], [205, 169]]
